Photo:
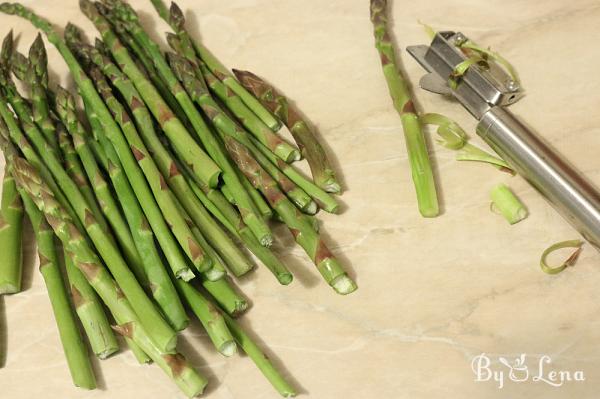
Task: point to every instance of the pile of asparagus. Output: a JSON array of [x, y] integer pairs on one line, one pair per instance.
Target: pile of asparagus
[[176, 163]]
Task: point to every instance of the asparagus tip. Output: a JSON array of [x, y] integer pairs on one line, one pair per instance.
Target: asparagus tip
[[344, 285]]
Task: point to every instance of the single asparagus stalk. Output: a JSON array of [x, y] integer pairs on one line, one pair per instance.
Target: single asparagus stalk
[[507, 203], [130, 146], [209, 228], [38, 80], [11, 230], [86, 260], [163, 334], [174, 17], [211, 319], [226, 296], [243, 200], [90, 311], [187, 148], [301, 228], [249, 120], [200, 94], [261, 360], [314, 153], [148, 266], [78, 361], [415, 142]]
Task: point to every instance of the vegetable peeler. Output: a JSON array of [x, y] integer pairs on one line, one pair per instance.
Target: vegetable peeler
[[486, 90]]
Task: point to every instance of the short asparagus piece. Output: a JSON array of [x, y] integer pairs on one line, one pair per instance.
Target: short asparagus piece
[[217, 68], [507, 204], [299, 225], [148, 266], [73, 346], [243, 200], [163, 334], [314, 153], [422, 173], [11, 229], [208, 227], [188, 379]]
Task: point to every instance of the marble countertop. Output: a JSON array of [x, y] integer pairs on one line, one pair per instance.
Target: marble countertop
[[434, 293]]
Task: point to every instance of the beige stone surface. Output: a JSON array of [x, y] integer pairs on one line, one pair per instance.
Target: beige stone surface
[[433, 293]]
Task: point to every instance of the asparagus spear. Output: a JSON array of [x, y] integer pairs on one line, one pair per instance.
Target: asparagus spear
[[148, 268], [73, 346], [208, 227], [415, 142], [188, 379], [314, 153], [163, 334], [226, 296], [243, 200], [11, 229], [217, 68]]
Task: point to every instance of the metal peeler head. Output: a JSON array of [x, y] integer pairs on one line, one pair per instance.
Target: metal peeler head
[[484, 85]]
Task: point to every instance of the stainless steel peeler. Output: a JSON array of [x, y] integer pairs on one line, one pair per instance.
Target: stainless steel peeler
[[486, 92]]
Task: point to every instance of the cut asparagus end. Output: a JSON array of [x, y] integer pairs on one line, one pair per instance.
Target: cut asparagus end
[[331, 186], [213, 181], [9, 288], [344, 285], [293, 156], [186, 275], [214, 274], [266, 241], [240, 307], [285, 278], [228, 349], [311, 208], [105, 354]]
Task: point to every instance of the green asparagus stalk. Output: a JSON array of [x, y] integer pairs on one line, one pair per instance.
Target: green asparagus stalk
[[187, 148], [314, 153], [422, 173], [249, 120], [163, 334], [200, 94], [261, 360], [243, 200], [73, 346], [211, 319], [257, 198], [507, 204], [209, 228], [301, 228], [131, 146], [174, 17], [148, 266], [90, 311], [129, 325], [11, 229], [226, 296]]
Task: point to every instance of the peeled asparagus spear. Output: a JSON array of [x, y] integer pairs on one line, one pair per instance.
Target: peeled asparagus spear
[[219, 69], [422, 173], [129, 325], [243, 200], [314, 153], [149, 270]]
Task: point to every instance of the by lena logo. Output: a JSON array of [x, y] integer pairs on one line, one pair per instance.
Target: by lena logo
[[517, 370]]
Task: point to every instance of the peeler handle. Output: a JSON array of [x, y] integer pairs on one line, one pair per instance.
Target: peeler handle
[[574, 197]]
